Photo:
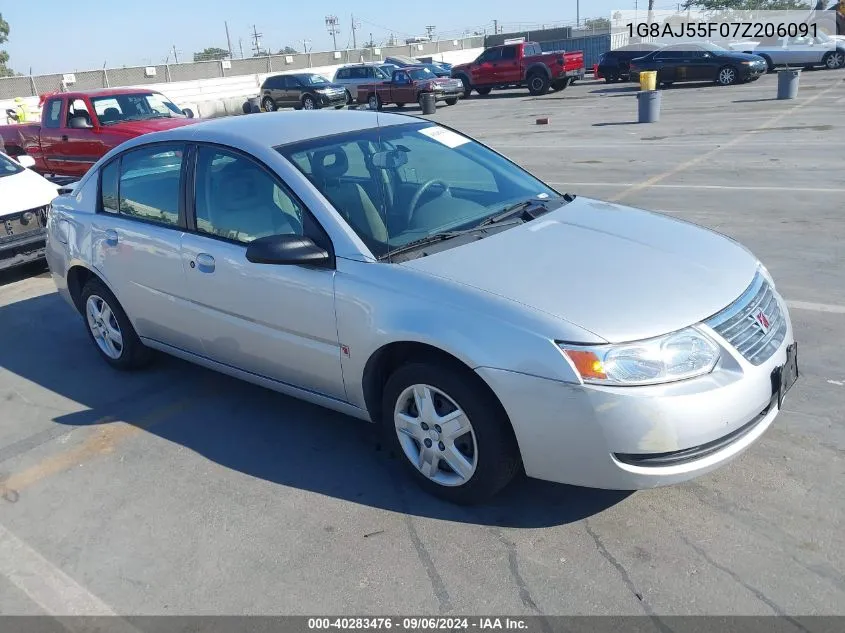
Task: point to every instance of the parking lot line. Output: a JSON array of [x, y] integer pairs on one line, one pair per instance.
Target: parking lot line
[[102, 441], [816, 307], [715, 187], [708, 155]]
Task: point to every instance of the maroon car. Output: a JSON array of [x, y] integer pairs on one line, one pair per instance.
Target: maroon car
[[408, 85]]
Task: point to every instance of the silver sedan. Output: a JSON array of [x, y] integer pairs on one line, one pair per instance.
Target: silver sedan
[[400, 272]]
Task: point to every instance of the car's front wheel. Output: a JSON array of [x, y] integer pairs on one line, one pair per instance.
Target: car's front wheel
[[834, 60], [727, 76], [110, 328], [450, 431], [268, 104], [374, 102], [451, 101], [309, 103]]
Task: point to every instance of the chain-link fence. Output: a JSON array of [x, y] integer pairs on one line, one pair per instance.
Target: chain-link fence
[[11, 87]]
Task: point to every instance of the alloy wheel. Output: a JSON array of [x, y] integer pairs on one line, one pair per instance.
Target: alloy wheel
[[104, 327]]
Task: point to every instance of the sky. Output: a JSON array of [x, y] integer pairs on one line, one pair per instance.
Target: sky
[[50, 36]]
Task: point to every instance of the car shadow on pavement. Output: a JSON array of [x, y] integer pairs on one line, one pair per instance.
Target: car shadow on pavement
[[25, 271], [252, 430]]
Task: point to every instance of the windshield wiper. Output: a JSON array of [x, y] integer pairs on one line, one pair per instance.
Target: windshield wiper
[[440, 237], [521, 208]]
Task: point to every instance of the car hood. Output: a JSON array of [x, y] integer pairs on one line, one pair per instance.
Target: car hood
[[137, 128], [623, 274], [25, 190]]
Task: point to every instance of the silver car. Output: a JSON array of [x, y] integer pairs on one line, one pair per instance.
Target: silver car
[[400, 272], [354, 75]]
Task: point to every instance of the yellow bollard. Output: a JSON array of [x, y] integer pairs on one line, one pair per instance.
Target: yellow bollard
[[648, 80]]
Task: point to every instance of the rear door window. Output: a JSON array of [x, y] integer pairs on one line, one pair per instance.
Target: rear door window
[[148, 188]]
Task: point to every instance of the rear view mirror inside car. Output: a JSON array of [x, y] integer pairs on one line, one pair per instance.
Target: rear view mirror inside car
[[390, 159]]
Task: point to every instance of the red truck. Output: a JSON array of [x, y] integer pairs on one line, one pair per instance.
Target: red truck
[[78, 128], [408, 85], [522, 64]]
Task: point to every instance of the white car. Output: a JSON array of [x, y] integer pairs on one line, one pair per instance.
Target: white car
[[822, 50], [24, 199]]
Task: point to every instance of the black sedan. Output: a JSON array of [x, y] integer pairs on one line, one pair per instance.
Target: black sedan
[[699, 61], [613, 65]]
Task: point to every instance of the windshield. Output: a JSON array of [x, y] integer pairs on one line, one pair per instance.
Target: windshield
[[134, 107], [421, 73], [313, 80], [402, 183], [8, 167]]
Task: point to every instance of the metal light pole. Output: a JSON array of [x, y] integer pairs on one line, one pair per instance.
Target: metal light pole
[[577, 12]]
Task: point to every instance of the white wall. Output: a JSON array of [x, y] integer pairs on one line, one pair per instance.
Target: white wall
[[225, 95]]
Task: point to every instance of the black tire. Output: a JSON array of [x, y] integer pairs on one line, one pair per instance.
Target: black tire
[[373, 98], [727, 76], [484, 90], [833, 60], [400, 105], [611, 77], [497, 453], [538, 83], [666, 84], [770, 65], [348, 98], [134, 354], [268, 104], [560, 85], [467, 86], [452, 101], [309, 99]]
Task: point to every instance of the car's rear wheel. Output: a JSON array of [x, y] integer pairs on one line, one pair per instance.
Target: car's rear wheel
[[110, 329], [400, 105], [309, 103], [452, 101], [467, 86], [611, 77], [834, 60], [484, 90], [726, 76], [560, 85], [538, 84], [450, 432], [268, 104], [348, 98]]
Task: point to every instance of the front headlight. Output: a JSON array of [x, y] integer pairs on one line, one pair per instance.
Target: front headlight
[[677, 356]]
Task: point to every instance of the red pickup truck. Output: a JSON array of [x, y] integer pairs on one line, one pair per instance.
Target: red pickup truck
[[78, 128], [523, 64]]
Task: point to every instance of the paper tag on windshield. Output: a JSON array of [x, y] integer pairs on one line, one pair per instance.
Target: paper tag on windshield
[[447, 137]]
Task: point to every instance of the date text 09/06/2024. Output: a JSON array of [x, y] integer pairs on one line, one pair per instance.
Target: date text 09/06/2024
[[418, 623], [722, 29]]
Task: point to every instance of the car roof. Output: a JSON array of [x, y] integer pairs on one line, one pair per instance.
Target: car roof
[[102, 92], [271, 129]]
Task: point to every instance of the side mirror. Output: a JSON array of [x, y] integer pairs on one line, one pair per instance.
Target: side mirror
[[79, 123], [188, 113], [286, 250], [26, 161]]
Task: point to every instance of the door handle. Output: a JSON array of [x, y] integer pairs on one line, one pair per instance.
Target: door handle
[[205, 263], [111, 237], [64, 137]]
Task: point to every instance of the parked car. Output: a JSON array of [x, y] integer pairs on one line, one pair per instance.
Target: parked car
[[301, 91], [523, 64], [402, 61], [295, 267], [614, 65], [354, 75], [431, 60], [24, 199], [408, 85], [699, 61], [77, 128], [810, 51]]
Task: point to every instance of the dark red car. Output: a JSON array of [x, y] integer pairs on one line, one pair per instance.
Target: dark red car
[[408, 85], [78, 128]]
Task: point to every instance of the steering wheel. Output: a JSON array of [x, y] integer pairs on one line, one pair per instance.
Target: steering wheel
[[412, 207]]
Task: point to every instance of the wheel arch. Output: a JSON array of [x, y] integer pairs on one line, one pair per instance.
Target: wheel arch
[[538, 67]]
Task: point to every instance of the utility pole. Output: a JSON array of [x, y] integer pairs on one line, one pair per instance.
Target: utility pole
[[241, 46], [354, 28], [495, 27], [305, 45], [175, 56], [577, 12], [430, 30], [228, 39], [331, 27], [256, 40]]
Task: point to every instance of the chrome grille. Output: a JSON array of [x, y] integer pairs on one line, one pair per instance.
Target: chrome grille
[[738, 324]]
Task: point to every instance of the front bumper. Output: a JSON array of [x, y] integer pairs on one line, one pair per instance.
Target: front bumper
[[22, 250], [449, 93], [333, 99], [747, 73], [631, 438]]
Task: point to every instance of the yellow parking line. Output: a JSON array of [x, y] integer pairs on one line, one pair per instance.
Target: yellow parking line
[[706, 156], [101, 442]]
